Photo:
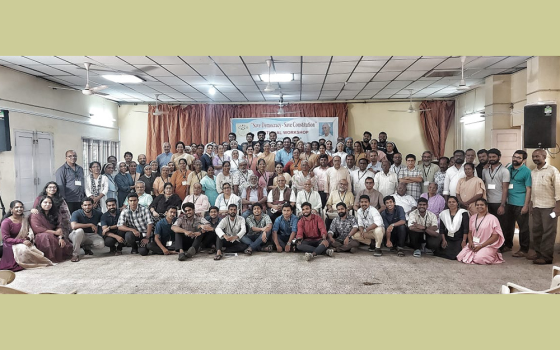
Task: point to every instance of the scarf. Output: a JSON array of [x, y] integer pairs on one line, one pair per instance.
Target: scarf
[[95, 189], [452, 225]]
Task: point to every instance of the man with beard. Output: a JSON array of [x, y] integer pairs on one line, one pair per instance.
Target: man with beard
[[382, 144], [394, 221], [85, 226], [137, 222], [341, 231], [517, 208], [251, 195], [141, 164], [351, 163], [439, 177], [241, 178], [427, 170], [312, 234], [272, 136], [370, 224], [189, 232], [386, 181], [365, 143], [259, 230], [482, 161], [249, 137], [110, 230], [423, 222], [260, 138], [284, 229], [454, 174], [279, 196], [342, 194], [230, 231], [397, 166], [496, 178], [164, 237]]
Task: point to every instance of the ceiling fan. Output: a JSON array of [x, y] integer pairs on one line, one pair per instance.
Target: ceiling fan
[[269, 87], [410, 108], [462, 84], [86, 90], [157, 111], [281, 107]]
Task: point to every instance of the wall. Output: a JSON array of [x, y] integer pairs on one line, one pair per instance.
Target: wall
[[134, 125], [19, 90]]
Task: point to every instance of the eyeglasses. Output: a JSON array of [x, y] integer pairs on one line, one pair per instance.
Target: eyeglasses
[[71, 156]]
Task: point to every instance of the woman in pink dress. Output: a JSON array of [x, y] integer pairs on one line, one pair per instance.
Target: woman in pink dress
[[485, 238]]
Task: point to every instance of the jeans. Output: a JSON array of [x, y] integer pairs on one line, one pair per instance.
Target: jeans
[[513, 214], [132, 241], [283, 240], [312, 246], [398, 236], [255, 241], [157, 250], [184, 242]]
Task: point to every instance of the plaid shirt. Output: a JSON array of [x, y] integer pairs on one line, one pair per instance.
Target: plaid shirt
[[439, 178], [341, 228], [413, 189], [138, 219], [546, 186], [251, 222]]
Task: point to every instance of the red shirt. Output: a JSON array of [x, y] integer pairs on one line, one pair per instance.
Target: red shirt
[[312, 227]]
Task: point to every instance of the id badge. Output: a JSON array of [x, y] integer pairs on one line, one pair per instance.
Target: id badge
[[553, 215], [476, 239], [77, 183], [491, 186], [169, 243], [426, 183], [184, 183], [510, 186]]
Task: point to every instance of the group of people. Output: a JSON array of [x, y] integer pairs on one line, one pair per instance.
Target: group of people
[[290, 195]]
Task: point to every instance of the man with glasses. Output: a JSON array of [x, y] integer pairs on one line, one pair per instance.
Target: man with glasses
[[71, 182]]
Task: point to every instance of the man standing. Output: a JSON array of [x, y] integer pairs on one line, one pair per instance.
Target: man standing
[[395, 225], [85, 226], [110, 229], [496, 177], [272, 136], [382, 144], [397, 166], [285, 154], [321, 177], [141, 164], [411, 177], [386, 181], [470, 156], [482, 161], [164, 158], [341, 231], [374, 165], [365, 143], [423, 222], [335, 174], [519, 198], [259, 230], [249, 137], [312, 233], [284, 229], [351, 163], [70, 181], [545, 203], [428, 170], [439, 177], [137, 222], [189, 232], [230, 231], [260, 136], [370, 224], [164, 237], [454, 174], [359, 176]]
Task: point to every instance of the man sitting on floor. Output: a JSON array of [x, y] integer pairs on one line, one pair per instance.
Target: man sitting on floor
[[188, 232], [370, 224], [342, 230], [137, 222], [85, 226], [395, 225], [285, 229], [230, 231], [312, 234], [164, 237], [423, 222], [259, 230], [110, 230]]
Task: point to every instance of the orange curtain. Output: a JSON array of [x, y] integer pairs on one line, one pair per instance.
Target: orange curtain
[[436, 122], [203, 123]]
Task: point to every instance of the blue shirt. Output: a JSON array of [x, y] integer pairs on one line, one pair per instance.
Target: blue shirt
[[109, 220], [520, 179], [163, 230], [395, 216], [164, 159], [66, 178], [80, 217], [283, 157], [284, 227]]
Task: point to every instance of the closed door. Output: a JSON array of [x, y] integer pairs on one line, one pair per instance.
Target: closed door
[[507, 141], [43, 160]]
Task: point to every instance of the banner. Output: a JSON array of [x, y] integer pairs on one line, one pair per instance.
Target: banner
[[307, 129]]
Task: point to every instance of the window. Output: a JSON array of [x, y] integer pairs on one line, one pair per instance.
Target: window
[[98, 150]]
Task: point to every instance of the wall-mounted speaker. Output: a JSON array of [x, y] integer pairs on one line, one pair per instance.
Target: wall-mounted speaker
[[5, 144], [540, 126]]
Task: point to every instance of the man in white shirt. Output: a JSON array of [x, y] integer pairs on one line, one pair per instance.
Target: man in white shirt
[[397, 166], [230, 231], [321, 177], [359, 176], [351, 163], [386, 181], [306, 195], [406, 201], [374, 165], [423, 222], [335, 174], [454, 174], [370, 226]]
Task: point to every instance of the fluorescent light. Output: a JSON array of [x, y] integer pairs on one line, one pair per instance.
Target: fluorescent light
[[123, 79], [212, 90], [277, 78], [472, 118]]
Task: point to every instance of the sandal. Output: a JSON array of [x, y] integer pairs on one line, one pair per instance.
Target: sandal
[[248, 251], [268, 248], [75, 258], [400, 253], [218, 257], [212, 250]]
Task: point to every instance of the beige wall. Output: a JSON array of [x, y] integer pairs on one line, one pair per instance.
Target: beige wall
[[134, 129], [19, 90]]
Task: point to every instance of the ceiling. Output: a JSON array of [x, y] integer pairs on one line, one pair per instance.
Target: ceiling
[[187, 79]]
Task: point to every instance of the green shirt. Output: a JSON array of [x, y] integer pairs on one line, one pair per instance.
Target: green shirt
[[520, 179]]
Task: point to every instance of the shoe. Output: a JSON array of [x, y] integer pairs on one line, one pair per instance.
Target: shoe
[[112, 249], [308, 256], [417, 253], [428, 251], [182, 257], [400, 252], [134, 251], [505, 249], [190, 252], [330, 252], [118, 252], [531, 257], [88, 252], [519, 254], [393, 249], [377, 252], [371, 247], [353, 250], [541, 261], [75, 258]]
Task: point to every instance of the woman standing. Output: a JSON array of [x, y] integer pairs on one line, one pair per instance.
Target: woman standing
[[148, 180], [155, 168], [485, 238], [454, 230], [315, 147], [329, 149], [218, 160], [208, 184], [359, 153], [273, 180], [234, 161], [323, 150], [179, 179], [161, 180], [132, 171], [195, 176], [172, 168], [262, 174], [268, 157], [294, 164], [180, 148], [223, 177], [63, 213], [206, 159], [167, 199], [340, 152], [390, 152], [17, 242], [125, 184], [380, 154], [112, 191], [49, 237], [251, 159], [469, 189], [97, 186]]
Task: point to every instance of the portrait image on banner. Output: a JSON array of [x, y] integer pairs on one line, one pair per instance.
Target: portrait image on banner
[[307, 129]]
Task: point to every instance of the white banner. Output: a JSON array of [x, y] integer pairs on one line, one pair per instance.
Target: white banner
[[307, 129]]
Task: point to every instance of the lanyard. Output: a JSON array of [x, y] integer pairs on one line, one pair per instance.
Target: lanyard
[[495, 172], [476, 224], [198, 175], [264, 175], [236, 163], [230, 227], [365, 214], [342, 198], [360, 177], [244, 177], [227, 203], [184, 174], [424, 170], [250, 164], [307, 196], [512, 174], [195, 199]]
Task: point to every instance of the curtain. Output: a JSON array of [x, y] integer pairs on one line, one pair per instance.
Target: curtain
[[436, 122], [202, 123]]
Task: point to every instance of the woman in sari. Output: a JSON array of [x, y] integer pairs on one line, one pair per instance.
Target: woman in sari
[[329, 148], [161, 180], [97, 186], [167, 199], [268, 157], [359, 152], [49, 236], [218, 160], [273, 180], [132, 171], [155, 168], [453, 229], [323, 150], [485, 238], [224, 176], [208, 184], [380, 154], [262, 174], [294, 164], [251, 159], [172, 168], [179, 179], [469, 189], [18, 245], [112, 191], [436, 202]]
